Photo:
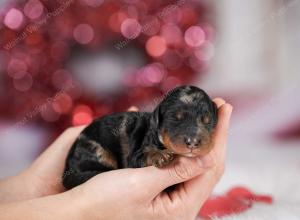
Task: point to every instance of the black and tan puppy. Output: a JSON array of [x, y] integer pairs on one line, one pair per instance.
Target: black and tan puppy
[[182, 124]]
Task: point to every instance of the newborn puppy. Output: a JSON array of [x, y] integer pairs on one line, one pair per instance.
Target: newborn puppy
[[182, 124]]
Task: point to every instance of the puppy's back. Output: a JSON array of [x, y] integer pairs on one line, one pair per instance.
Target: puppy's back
[[102, 146]]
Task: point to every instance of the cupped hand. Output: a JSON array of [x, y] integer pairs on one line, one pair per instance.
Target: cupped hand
[[127, 193], [140, 193], [44, 176], [47, 171]]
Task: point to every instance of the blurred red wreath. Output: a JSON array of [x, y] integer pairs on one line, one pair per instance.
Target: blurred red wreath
[[60, 59]]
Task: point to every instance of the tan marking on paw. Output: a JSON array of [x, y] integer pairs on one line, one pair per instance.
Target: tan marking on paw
[[158, 158]]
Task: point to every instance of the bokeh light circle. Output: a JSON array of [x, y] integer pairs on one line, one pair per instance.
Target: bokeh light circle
[[155, 73], [205, 52], [150, 25], [15, 66], [151, 74], [156, 46], [174, 16], [82, 115], [93, 3], [194, 36], [131, 28], [61, 78], [24, 83], [115, 21], [62, 103], [19, 74], [14, 19], [132, 12], [172, 34], [48, 113], [83, 33], [33, 9]]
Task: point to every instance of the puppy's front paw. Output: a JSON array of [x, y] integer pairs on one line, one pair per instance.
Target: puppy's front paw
[[162, 159]]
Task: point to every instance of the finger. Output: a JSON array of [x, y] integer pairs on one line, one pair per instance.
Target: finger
[[219, 102], [155, 180], [67, 138], [199, 188], [196, 191], [60, 147], [133, 109], [221, 131]]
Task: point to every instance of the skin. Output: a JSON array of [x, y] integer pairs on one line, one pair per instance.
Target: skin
[[37, 193]]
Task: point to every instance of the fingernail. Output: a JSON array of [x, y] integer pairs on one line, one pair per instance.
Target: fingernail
[[133, 109], [205, 161]]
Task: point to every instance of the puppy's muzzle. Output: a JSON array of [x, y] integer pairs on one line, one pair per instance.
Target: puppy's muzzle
[[192, 142]]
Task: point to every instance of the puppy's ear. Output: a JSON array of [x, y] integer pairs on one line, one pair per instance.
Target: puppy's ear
[[155, 118]]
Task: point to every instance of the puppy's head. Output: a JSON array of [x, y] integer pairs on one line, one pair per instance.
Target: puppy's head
[[185, 121]]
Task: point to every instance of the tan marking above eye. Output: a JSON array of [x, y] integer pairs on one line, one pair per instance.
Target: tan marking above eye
[[206, 119], [179, 115]]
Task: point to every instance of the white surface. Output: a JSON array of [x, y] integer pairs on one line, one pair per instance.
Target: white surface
[[263, 164], [18, 147]]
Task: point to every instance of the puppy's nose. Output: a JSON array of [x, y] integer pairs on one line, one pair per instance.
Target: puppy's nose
[[192, 142]]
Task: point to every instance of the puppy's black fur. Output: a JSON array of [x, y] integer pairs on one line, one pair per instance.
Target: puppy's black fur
[[182, 124]]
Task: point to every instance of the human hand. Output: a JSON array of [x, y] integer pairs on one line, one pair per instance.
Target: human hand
[[44, 176], [145, 197], [139, 193]]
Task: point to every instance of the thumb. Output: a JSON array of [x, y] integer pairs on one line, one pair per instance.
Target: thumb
[[156, 180]]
